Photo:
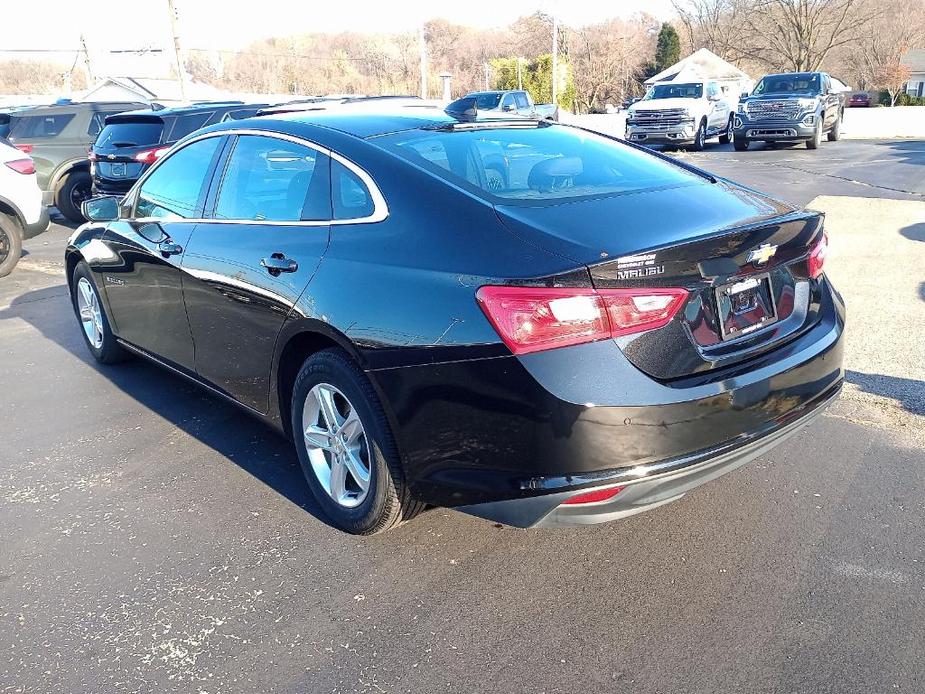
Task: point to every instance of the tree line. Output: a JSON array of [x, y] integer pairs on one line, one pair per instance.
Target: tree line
[[859, 41]]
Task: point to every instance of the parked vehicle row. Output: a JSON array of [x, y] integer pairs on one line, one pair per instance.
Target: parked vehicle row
[[440, 309]]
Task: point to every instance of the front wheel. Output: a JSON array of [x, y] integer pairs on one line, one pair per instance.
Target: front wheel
[[346, 448], [93, 319], [817, 136], [726, 137], [835, 133], [72, 191], [740, 144], [10, 244], [700, 137]]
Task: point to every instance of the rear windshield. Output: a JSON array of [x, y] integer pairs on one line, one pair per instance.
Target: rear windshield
[[132, 134], [545, 163], [676, 91], [36, 127]]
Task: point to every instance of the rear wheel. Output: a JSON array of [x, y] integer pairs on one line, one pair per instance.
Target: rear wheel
[[346, 448], [726, 137], [73, 189], [93, 319], [10, 244]]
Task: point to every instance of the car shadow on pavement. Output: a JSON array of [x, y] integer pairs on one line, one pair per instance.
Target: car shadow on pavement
[[914, 232], [908, 391], [221, 426]]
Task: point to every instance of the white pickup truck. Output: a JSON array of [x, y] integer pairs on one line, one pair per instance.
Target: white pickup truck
[[682, 114], [517, 102]]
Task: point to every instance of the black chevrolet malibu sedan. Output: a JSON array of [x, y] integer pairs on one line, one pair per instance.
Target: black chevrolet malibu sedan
[[526, 321]]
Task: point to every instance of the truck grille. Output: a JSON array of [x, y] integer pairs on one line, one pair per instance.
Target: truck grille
[[667, 117], [776, 110]]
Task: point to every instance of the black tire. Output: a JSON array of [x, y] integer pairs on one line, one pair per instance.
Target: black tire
[[387, 502], [72, 190], [740, 144], [817, 136], [10, 244], [726, 137], [835, 133], [700, 137], [108, 351]]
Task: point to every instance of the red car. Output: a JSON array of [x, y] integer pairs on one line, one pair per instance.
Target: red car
[[859, 99]]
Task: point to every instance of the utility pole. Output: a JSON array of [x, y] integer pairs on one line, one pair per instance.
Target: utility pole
[[83, 47], [520, 82], [555, 58], [423, 49], [174, 24], [487, 67]]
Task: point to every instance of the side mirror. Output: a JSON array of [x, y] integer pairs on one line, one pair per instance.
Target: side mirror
[[507, 107], [101, 209]]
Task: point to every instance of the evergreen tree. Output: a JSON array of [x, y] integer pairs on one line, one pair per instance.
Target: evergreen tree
[[668, 50]]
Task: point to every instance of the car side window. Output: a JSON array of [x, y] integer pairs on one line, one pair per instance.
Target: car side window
[[184, 125], [269, 179], [521, 100], [352, 199], [96, 124], [507, 101], [174, 188]]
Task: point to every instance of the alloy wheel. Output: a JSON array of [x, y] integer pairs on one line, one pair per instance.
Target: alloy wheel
[[91, 318], [337, 446]]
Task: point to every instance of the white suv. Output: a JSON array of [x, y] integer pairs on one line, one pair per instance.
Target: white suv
[[22, 214]]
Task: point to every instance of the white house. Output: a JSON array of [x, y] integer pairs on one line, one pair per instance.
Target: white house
[[702, 65], [915, 60], [149, 89]]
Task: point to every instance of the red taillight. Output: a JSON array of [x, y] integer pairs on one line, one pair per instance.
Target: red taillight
[[594, 496], [817, 256], [531, 319], [149, 156], [23, 166], [24, 148]]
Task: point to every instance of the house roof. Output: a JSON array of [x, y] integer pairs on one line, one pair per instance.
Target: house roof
[[159, 89], [915, 59], [702, 64]]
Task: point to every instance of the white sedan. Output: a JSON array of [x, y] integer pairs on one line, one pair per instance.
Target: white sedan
[[22, 214]]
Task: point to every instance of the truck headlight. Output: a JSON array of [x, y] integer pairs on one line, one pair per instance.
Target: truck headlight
[[807, 104]]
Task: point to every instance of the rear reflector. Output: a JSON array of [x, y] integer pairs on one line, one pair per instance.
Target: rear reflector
[[24, 148], [817, 256], [530, 319], [149, 156], [594, 496], [23, 166]]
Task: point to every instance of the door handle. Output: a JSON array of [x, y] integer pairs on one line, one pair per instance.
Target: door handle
[[168, 248], [278, 263]]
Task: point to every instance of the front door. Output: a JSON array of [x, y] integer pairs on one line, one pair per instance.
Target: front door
[[142, 278], [247, 265]]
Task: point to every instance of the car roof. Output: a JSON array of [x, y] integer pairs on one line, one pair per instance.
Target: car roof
[[75, 106], [188, 108], [359, 121]]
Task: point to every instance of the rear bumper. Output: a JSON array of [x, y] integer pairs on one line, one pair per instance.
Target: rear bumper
[[39, 226], [650, 486], [103, 186]]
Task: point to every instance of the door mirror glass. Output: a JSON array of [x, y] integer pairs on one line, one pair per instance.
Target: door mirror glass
[[101, 209]]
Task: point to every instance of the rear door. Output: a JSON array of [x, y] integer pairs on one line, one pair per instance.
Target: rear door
[[142, 275], [248, 264]]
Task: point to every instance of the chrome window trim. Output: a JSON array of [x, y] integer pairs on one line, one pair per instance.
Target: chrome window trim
[[380, 207]]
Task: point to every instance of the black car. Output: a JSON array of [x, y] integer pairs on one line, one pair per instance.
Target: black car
[[130, 142], [789, 108], [587, 332]]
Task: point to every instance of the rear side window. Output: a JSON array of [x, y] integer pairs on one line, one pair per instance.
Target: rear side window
[[268, 179], [521, 100], [35, 127], [174, 188], [191, 122], [130, 134], [351, 197], [535, 164]]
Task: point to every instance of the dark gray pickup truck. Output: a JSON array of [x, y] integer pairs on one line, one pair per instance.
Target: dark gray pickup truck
[[790, 107]]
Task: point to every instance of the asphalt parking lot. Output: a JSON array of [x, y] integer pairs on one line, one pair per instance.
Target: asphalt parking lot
[[156, 539]]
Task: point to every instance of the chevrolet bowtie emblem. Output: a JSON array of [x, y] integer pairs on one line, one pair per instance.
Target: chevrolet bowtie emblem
[[762, 254]]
